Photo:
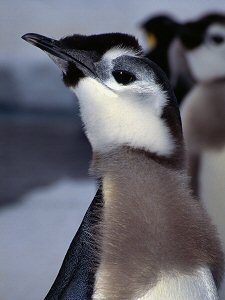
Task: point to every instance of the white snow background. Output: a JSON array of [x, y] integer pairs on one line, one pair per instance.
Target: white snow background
[[35, 233]]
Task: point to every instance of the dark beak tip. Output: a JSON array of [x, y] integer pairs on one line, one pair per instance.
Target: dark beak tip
[[34, 38], [49, 45], [29, 37], [24, 37]]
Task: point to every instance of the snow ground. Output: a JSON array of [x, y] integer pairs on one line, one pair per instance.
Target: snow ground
[[35, 235]]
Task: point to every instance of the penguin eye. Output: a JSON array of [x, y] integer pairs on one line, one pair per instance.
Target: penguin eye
[[123, 77], [217, 39]]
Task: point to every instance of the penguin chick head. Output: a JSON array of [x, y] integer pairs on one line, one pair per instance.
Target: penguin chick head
[[159, 30], [124, 98], [204, 44]]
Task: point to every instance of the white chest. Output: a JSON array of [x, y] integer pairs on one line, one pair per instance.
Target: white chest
[[197, 286], [212, 193], [212, 188]]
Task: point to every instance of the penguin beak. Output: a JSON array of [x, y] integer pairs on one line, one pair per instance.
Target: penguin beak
[[60, 55], [46, 44]]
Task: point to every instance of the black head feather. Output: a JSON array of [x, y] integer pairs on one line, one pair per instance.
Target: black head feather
[[162, 26], [100, 43], [192, 33], [96, 46]]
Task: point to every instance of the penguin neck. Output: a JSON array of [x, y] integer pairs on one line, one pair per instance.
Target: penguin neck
[[203, 117], [216, 81], [134, 162], [214, 89]]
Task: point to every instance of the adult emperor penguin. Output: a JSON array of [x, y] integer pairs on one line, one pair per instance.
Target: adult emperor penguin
[[144, 235], [203, 114]]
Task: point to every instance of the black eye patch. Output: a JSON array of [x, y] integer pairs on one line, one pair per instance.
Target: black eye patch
[[123, 77], [217, 39]]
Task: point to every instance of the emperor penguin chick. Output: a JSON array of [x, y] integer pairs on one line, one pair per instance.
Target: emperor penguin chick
[[166, 50], [147, 238], [203, 115], [160, 31]]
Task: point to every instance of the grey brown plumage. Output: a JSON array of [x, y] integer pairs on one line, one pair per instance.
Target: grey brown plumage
[[149, 230], [151, 225]]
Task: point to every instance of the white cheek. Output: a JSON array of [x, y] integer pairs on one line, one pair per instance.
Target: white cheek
[[207, 62], [144, 91], [111, 120]]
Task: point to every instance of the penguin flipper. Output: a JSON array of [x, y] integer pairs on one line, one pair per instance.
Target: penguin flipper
[[75, 279]]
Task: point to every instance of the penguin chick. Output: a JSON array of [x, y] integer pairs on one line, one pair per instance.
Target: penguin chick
[[203, 115], [160, 31], [203, 109], [167, 51], [152, 239], [204, 44]]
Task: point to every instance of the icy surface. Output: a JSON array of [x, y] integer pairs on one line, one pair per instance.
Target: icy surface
[[36, 234]]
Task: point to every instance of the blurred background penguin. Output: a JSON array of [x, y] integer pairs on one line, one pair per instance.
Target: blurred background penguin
[[159, 32], [203, 115], [193, 56], [165, 49]]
